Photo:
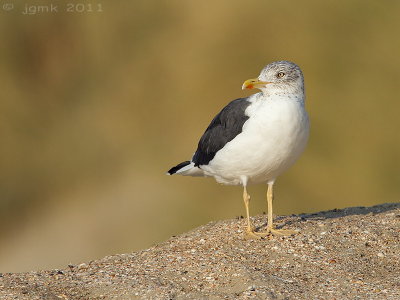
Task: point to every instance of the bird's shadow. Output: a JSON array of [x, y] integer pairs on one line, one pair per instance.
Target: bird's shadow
[[336, 213]]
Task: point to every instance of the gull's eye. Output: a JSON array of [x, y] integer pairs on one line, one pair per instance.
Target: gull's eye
[[280, 75]]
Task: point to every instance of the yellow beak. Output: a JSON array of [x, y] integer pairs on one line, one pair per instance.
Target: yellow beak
[[254, 84]]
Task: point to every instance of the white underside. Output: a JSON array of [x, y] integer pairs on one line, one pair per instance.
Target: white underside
[[272, 139]]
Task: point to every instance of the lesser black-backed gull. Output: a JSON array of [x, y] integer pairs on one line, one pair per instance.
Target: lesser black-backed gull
[[255, 139]]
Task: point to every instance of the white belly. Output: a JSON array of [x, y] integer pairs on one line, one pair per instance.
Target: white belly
[[271, 141]]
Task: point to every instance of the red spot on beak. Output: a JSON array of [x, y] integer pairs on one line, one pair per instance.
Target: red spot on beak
[[250, 86]]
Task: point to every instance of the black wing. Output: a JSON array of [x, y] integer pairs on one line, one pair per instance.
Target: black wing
[[222, 129]]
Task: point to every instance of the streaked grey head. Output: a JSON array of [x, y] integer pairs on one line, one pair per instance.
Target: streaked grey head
[[280, 77], [284, 76]]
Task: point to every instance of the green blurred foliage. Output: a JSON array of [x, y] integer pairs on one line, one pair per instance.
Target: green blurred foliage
[[96, 106]]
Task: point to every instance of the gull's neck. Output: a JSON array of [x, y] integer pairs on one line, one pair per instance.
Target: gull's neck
[[280, 94], [294, 90]]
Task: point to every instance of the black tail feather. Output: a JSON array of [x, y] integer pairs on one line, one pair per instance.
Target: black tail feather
[[178, 167]]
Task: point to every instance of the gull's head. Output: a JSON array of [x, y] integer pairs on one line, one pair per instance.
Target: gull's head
[[281, 77]]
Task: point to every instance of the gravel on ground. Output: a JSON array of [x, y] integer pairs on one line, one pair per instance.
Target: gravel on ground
[[352, 253]]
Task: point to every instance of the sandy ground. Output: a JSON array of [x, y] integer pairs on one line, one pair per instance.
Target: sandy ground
[[341, 254]]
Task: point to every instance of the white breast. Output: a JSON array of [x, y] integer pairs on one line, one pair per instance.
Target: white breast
[[272, 139]]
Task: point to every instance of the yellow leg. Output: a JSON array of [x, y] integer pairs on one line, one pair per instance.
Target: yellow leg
[[270, 226], [246, 199], [250, 228], [270, 197]]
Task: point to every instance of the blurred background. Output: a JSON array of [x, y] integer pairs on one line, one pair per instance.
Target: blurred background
[[101, 98]]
